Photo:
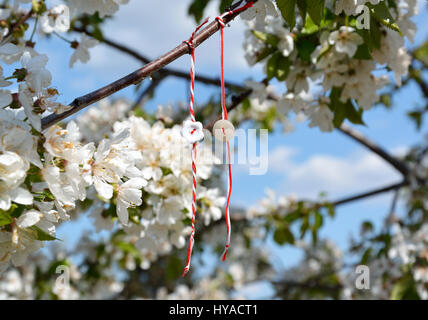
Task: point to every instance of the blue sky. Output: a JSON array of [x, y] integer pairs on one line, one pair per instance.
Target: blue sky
[[304, 162]]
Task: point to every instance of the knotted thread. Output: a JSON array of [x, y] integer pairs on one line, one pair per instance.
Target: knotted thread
[[224, 117], [192, 116]]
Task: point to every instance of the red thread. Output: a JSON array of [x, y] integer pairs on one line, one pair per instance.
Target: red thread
[[224, 116], [192, 115]]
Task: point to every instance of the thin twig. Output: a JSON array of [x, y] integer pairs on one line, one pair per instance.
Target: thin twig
[[136, 76], [19, 23], [149, 91], [371, 193], [168, 71], [391, 214], [240, 217], [236, 101], [360, 138]]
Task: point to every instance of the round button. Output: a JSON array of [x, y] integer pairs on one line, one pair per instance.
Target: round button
[[223, 130]]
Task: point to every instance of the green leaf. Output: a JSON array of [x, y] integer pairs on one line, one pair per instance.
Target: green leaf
[[187, 221], [316, 10], [197, 8], [246, 105], [224, 4], [271, 42], [375, 33], [318, 221], [310, 27], [292, 216], [337, 106], [41, 235], [39, 7], [366, 256], [301, 4], [381, 10], [174, 268], [271, 66], [404, 289], [371, 37], [363, 52], [421, 53], [353, 115], [314, 237], [367, 226], [305, 47], [128, 248], [342, 110], [385, 99], [278, 66], [266, 52], [5, 218], [283, 235], [304, 227], [283, 68], [330, 208], [97, 33], [416, 116], [166, 171], [267, 38], [381, 13], [286, 7]]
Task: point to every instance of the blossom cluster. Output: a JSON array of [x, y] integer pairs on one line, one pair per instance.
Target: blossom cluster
[[135, 159], [326, 69], [129, 170], [403, 256]]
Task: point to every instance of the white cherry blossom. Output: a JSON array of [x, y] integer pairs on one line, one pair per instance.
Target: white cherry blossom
[[37, 76], [81, 52], [345, 40], [259, 11], [129, 194], [56, 20]]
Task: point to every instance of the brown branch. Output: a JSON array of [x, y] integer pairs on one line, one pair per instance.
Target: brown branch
[[136, 76], [19, 23], [236, 101], [168, 71], [371, 193], [360, 138], [241, 217]]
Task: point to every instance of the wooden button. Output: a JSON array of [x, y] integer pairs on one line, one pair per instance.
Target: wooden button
[[223, 130]]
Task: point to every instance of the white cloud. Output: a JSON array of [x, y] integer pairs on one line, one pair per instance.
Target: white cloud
[[336, 175], [281, 158]]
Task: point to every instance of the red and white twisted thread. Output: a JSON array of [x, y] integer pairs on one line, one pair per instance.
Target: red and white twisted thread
[[192, 116]]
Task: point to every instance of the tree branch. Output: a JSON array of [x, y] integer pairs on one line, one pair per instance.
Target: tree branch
[[236, 101], [19, 23], [167, 71], [136, 76], [371, 193]]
